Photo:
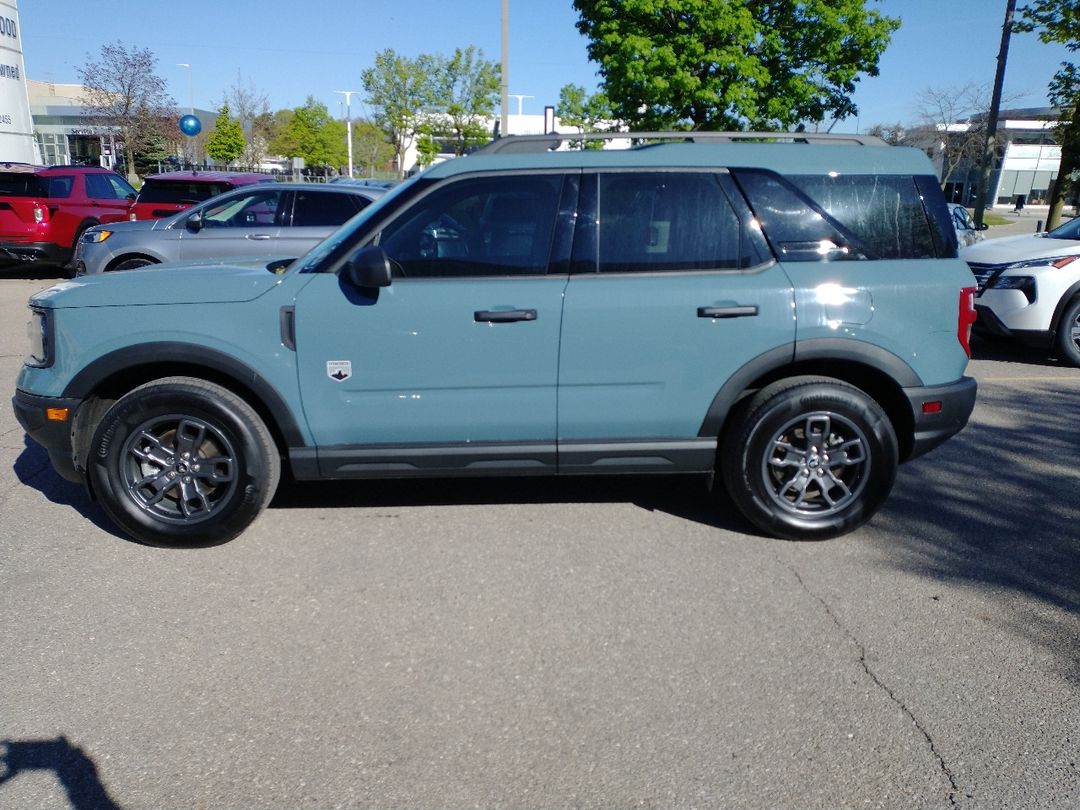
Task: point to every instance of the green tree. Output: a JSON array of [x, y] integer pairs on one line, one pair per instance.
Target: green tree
[[576, 108], [1058, 21], [226, 142], [402, 92], [468, 87], [732, 64], [372, 152], [310, 133], [122, 92]]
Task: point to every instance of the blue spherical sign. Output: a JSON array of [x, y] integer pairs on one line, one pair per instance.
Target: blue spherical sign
[[190, 125]]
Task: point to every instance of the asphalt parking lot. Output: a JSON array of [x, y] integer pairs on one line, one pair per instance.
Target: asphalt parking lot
[[557, 644]]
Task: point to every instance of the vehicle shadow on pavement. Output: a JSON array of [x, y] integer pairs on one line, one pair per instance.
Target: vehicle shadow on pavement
[[1010, 351], [34, 469], [686, 497], [75, 770], [998, 509]]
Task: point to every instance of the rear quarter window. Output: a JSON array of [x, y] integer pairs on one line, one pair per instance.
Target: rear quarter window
[[845, 217], [24, 184]]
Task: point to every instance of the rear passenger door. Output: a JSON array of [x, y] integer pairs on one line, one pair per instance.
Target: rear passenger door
[[673, 290], [313, 215]]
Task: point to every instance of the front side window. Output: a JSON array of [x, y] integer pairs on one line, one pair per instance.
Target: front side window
[[491, 226], [668, 221], [256, 209], [98, 187]]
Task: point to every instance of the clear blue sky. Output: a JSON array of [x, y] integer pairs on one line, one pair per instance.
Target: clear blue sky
[[291, 50]]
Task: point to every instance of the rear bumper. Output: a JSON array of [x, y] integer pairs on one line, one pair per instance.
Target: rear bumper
[[47, 252], [939, 412], [32, 412]]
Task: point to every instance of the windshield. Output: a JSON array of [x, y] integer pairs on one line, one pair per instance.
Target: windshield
[[353, 231], [1067, 230]]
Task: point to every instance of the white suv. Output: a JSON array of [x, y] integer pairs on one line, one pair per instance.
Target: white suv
[[1029, 288]]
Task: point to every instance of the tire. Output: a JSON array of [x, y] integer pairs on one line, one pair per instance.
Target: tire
[[148, 463], [132, 264], [809, 458], [1068, 333]]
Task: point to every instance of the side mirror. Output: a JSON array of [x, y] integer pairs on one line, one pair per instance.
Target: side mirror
[[194, 222], [984, 227], [368, 268]]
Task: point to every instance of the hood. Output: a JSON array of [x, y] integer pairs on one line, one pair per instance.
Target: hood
[[206, 283], [131, 226], [1018, 248]]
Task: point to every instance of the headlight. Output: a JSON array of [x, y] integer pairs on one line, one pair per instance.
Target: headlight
[[1050, 261], [1026, 285], [94, 237], [39, 330]]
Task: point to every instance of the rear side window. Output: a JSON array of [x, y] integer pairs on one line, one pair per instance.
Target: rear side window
[[326, 208], [842, 217], [25, 184], [668, 221], [165, 191]]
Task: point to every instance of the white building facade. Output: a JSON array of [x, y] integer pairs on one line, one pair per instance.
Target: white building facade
[[16, 126]]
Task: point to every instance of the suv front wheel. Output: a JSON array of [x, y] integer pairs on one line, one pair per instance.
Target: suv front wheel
[[1069, 333], [182, 461], [809, 458]]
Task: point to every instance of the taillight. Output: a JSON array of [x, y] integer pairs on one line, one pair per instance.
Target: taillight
[[40, 214], [966, 318]]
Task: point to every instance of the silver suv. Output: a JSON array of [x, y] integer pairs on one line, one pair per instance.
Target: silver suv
[[267, 219]]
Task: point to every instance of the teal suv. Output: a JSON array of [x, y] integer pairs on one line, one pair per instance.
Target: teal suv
[[785, 313]]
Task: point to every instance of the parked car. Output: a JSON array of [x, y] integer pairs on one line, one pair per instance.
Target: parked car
[[283, 219], [1029, 288], [45, 209], [162, 195], [967, 232], [790, 317]]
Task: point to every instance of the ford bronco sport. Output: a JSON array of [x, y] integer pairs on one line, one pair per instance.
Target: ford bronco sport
[[790, 316]]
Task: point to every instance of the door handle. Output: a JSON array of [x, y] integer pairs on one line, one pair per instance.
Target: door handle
[[504, 315], [736, 311], [257, 236]]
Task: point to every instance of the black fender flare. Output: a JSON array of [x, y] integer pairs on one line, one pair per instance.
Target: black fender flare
[[820, 350], [191, 357]]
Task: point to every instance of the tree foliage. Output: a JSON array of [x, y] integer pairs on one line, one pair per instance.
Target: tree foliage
[[1058, 21], [467, 91], [402, 92], [251, 107], [732, 64], [310, 133], [123, 92], [226, 143], [372, 151], [576, 108]]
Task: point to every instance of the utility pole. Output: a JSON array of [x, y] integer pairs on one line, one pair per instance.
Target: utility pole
[[504, 119], [987, 162], [348, 121]]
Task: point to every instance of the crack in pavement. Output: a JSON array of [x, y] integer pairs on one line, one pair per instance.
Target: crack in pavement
[[953, 788]]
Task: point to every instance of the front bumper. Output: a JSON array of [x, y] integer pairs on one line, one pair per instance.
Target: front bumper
[[55, 435], [939, 412]]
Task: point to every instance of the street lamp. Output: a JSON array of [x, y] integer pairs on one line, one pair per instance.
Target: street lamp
[[348, 120], [190, 86]]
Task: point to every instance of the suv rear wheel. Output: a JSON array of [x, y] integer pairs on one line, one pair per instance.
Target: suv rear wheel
[[182, 461], [809, 458]]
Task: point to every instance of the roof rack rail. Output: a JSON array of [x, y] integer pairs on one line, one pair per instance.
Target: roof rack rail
[[511, 144]]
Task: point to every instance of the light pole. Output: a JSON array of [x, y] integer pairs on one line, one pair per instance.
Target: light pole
[[190, 87], [348, 120], [504, 117], [190, 146]]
